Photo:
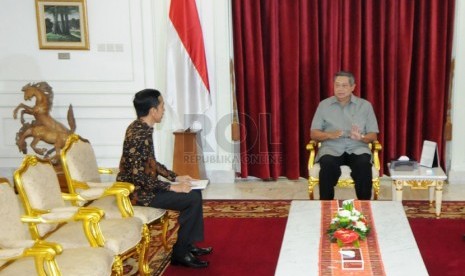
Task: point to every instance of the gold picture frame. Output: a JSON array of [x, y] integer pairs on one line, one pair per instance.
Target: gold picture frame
[[62, 24]]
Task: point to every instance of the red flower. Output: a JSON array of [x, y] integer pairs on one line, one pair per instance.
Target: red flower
[[346, 235]]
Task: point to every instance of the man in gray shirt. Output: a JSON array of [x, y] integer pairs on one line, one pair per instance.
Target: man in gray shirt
[[344, 124]]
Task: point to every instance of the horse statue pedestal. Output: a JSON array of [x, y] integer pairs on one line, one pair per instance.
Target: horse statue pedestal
[[61, 178]]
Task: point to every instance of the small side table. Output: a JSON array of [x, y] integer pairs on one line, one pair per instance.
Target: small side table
[[421, 178]]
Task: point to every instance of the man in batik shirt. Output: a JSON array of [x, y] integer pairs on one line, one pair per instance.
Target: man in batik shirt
[[139, 166]]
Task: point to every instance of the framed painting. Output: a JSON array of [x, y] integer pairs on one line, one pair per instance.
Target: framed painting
[[62, 24]]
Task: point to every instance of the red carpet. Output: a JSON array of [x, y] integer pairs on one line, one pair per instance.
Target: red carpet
[[247, 235], [441, 245], [242, 246]]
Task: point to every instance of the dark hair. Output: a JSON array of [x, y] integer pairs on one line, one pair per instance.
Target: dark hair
[[144, 100], [345, 74]]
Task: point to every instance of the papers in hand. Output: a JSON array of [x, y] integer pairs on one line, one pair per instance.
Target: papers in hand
[[198, 184]]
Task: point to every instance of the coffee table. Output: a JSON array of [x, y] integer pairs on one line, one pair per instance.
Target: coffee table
[[420, 178], [299, 253]]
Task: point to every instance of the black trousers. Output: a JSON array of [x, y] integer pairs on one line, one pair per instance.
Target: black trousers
[[330, 172], [190, 217]]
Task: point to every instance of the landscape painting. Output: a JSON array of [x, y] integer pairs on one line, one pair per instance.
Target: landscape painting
[[62, 24]]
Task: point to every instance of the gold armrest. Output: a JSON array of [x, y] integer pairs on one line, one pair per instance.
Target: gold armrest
[[89, 217], [71, 197], [376, 148], [107, 171], [44, 254], [312, 147], [79, 185], [124, 185], [121, 191]]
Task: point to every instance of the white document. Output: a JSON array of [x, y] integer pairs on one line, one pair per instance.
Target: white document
[[198, 184], [428, 154]]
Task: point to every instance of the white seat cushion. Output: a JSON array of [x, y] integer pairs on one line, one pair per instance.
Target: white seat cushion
[[120, 234], [151, 214], [146, 214], [345, 172]]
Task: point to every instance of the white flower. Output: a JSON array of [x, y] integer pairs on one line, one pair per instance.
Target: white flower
[[353, 218], [344, 213], [356, 213], [348, 202], [361, 226]]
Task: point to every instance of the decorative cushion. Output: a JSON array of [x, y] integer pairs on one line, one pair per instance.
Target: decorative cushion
[[16, 243], [43, 191], [42, 187], [81, 162], [100, 184], [58, 216], [11, 253], [92, 193], [10, 213], [149, 213]]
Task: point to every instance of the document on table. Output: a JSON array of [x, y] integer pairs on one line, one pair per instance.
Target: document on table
[[198, 184]]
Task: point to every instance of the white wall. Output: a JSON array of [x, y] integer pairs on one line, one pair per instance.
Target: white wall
[[457, 145], [100, 82]]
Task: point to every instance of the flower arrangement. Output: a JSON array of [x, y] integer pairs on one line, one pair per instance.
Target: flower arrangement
[[348, 226]]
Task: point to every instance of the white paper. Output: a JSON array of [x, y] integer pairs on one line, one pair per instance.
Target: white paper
[[199, 184], [427, 154]]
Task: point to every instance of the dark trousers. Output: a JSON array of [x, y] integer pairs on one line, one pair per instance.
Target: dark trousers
[[190, 217], [330, 172]]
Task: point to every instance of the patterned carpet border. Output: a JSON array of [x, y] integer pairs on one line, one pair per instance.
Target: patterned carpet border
[[159, 259], [246, 208], [423, 209]]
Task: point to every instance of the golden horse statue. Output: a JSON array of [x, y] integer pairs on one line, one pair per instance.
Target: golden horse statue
[[44, 127]]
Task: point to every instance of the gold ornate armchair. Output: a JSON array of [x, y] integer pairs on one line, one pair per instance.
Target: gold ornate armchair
[[345, 180], [83, 175], [20, 255], [39, 190]]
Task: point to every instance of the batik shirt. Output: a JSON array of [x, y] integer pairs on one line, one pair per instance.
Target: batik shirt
[[139, 166]]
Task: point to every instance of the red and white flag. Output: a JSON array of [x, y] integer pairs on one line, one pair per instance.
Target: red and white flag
[[188, 90]]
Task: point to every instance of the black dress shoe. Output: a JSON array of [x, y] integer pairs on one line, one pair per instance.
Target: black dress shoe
[[188, 261], [199, 251]]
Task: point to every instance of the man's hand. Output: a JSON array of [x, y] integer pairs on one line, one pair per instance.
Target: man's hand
[[321, 136], [181, 178], [335, 134], [183, 187], [355, 133]]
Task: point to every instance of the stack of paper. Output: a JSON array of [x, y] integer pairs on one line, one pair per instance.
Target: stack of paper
[[198, 184]]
